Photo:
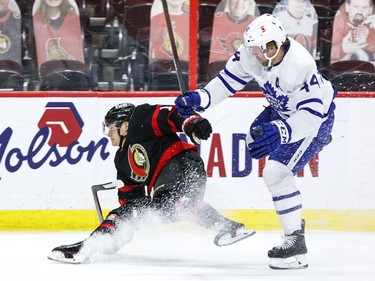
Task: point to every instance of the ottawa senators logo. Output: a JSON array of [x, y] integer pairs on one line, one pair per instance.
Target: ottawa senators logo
[[5, 43], [138, 162], [55, 51], [166, 46], [231, 42]]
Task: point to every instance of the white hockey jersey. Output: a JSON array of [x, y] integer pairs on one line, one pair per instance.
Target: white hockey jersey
[[293, 87]]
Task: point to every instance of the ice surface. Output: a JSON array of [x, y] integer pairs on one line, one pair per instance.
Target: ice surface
[[169, 254]]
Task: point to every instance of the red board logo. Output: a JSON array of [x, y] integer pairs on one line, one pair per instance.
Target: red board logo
[[64, 122]]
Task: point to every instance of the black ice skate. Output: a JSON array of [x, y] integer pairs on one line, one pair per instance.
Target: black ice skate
[[291, 254], [67, 253], [232, 233]]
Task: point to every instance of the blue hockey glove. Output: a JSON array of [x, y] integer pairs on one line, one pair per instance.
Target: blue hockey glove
[[188, 103], [260, 152], [267, 137]]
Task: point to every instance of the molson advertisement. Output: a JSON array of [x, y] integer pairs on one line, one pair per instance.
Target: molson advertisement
[[60, 128]]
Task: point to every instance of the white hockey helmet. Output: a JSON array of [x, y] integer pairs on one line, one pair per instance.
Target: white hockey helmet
[[263, 30]]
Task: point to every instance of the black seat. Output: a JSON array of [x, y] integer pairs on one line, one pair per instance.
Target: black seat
[[163, 76], [64, 75], [353, 75], [11, 77]]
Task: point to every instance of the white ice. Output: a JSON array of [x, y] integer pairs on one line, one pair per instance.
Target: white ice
[[174, 254]]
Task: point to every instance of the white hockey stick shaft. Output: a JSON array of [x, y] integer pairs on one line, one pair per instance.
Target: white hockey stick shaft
[[103, 186]]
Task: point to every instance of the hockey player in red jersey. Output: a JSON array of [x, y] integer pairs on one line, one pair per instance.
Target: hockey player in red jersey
[[162, 176]]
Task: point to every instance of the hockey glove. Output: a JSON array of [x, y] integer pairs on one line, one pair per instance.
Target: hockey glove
[[197, 127], [267, 137], [188, 103]]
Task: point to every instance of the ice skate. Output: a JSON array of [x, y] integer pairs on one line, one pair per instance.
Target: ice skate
[[232, 233], [67, 253], [291, 254]]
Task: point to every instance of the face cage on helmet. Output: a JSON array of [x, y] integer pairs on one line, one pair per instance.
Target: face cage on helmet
[[105, 126]]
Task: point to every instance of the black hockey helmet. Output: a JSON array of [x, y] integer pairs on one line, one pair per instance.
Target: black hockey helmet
[[118, 114]]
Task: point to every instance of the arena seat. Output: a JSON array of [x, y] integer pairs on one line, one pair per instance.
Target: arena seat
[[163, 76], [353, 75], [11, 77], [64, 75]]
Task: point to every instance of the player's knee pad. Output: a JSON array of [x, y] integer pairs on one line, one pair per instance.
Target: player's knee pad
[[278, 178]]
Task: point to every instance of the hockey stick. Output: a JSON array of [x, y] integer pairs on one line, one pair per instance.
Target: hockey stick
[[172, 41], [99, 187], [176, 60]]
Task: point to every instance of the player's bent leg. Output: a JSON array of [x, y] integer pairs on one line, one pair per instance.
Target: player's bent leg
[[229, 232], [203, 214], [115, 231], [106, 238]]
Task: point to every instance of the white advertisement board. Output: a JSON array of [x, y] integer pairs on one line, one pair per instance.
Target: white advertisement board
[[37, 175]]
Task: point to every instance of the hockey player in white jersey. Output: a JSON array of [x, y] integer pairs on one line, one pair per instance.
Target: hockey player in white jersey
[[294, 127]]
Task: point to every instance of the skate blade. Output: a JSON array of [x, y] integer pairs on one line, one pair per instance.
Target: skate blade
[[227, 240], [59, 257], [296, 262]]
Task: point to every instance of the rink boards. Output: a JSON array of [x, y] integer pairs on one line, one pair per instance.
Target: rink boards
[[47, 187]]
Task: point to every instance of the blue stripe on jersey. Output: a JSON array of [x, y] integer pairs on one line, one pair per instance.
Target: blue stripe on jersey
[[209, 98], [282, 197], [234, 77], [298, 106], [286, 211], [313, 112], [308, 101], [230, 89]]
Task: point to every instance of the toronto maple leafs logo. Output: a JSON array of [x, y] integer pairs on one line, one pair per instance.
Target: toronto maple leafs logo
[[279, 102]]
